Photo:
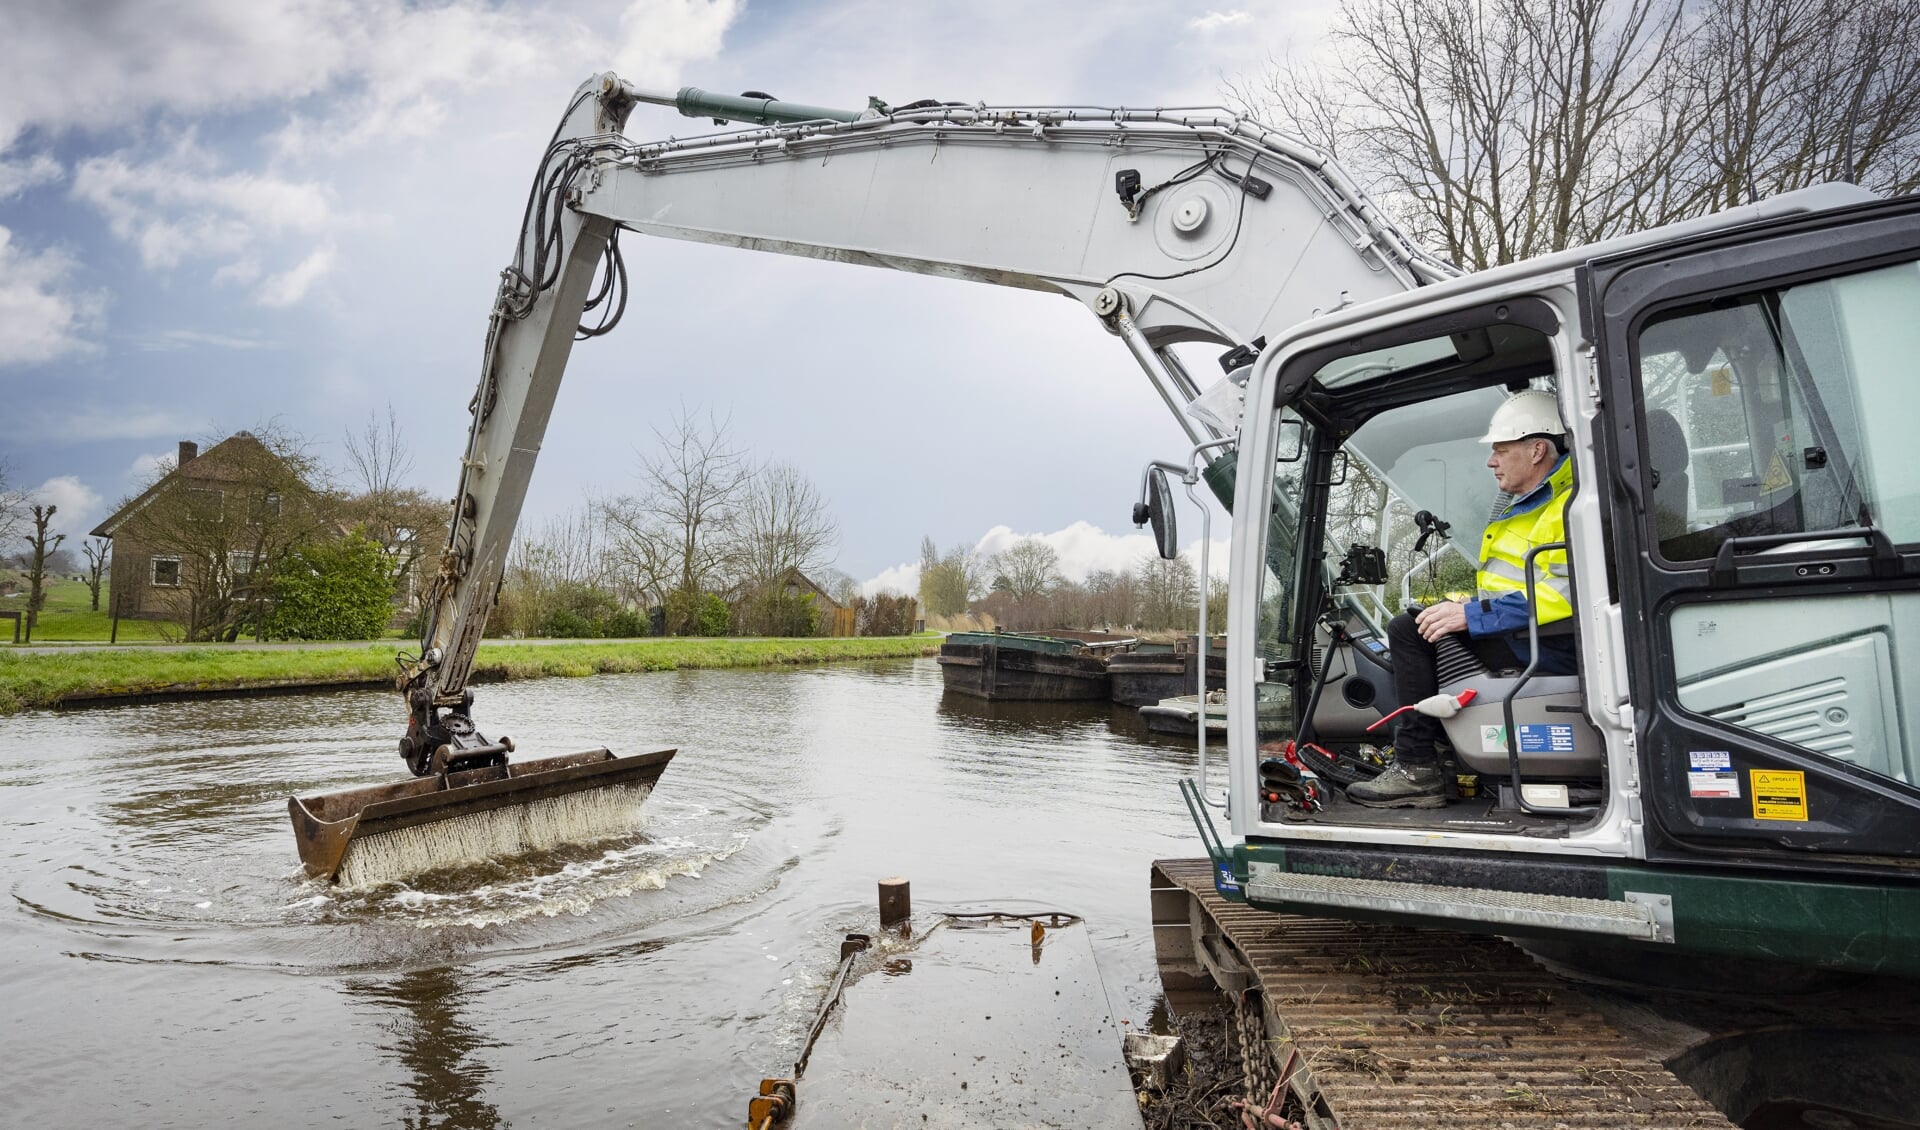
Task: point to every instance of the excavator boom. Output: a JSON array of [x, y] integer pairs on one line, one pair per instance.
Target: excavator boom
[[1169, 226]]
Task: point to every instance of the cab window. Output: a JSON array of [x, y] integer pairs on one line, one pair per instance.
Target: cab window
[[1783, 411]]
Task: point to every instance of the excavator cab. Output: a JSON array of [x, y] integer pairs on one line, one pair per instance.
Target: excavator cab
[[1393, 485], [1733, 768]]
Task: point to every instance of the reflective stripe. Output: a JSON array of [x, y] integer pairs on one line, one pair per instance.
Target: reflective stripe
[[1508, 540]]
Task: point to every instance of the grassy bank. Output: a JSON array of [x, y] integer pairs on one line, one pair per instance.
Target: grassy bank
[[85, 675]]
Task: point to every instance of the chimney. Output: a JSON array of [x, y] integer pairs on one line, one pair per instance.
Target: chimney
[[188, 449]]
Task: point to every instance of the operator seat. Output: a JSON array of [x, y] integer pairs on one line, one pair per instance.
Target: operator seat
[[1557, 741], [1667, 455]]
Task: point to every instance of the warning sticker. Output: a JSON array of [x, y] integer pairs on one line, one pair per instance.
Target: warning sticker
[[1777, 476], [1710, 775], [1779, 794], [1546, 737], [1493, 739]]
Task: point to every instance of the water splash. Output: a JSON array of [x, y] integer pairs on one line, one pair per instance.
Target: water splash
[[542, 825]]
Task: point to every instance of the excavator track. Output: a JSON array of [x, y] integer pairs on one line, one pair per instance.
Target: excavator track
[[1386, 1026]]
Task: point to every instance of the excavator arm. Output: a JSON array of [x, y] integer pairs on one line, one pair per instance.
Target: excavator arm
[[1168, 225]]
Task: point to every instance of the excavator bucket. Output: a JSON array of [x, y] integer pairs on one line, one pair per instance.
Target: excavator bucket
[[362, 837]]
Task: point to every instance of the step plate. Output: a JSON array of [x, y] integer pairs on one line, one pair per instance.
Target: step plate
[[1516, 910]]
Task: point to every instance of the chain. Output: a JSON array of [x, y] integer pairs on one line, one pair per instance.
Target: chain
[[1255, 1067]]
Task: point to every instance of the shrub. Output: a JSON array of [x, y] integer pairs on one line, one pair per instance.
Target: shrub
[[566, 624], [777, 612], [884, 614], [697, 614], [332, 591], [625, 624]]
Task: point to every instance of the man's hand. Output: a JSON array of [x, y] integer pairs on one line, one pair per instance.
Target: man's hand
[[1441, 619]]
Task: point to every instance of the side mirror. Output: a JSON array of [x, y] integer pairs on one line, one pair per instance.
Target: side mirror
[[1157, 510]]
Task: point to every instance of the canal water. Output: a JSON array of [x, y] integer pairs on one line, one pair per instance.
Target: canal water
[[164, 962]]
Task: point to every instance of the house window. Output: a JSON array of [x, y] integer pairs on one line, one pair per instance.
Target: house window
[[165, 572], [264, 507], [240, 564], [206, 504]]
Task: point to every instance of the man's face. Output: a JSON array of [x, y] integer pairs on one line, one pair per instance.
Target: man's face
[[1518, 465]]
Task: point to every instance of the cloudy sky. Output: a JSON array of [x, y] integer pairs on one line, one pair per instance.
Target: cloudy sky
[[216, 214]]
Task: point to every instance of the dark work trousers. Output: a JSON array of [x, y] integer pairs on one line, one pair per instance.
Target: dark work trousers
[[1414, 679]]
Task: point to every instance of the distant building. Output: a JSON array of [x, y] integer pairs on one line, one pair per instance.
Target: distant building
[[197, 520]]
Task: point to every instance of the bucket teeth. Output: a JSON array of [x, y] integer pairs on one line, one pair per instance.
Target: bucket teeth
[[472, 814]]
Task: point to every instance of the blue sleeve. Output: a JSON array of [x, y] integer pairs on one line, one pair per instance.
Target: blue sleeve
[[1497, 616]]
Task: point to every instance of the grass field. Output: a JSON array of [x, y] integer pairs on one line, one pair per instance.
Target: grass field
[[68, 617], [28, 681]]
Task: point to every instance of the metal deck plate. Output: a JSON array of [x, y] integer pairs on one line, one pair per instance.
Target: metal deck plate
[[1393, 1026]]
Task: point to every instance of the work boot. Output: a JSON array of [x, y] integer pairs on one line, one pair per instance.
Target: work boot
[[1401, 785]]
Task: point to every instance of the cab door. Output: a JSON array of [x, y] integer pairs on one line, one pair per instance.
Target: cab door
[[1761, 391]]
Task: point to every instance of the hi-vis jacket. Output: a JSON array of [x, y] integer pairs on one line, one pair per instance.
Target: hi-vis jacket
[[1537, 517]]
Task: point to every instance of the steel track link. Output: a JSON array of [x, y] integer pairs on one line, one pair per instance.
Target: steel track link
[[1391, 1026]]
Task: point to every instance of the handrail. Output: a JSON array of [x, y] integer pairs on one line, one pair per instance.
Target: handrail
[[1203, 822], [1506, 704], [1882, 555]]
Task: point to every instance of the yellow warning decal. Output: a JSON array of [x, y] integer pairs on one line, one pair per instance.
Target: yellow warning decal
[[1777, 476], [1722, 378], [1779, 794]]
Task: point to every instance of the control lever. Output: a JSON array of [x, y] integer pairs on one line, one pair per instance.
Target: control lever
[[1430, 526]]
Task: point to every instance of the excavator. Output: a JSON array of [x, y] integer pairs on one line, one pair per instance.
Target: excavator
[[1723, 801]]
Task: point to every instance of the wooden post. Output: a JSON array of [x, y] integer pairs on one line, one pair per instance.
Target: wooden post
[[896, 902], [113, 607]]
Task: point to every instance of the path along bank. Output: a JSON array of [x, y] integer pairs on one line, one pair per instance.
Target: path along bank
[[98, 677]]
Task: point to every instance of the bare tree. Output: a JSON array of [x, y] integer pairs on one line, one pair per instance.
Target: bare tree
[[779, 523], [406, 522], [1169, 593], [641, 564], [13, 505], [1781, 94], [1497, 130], [1111, 598], [99, 553], [377, 455], [1027, 569], [948, 581], [560, 564], [39, 544], [676, 524], [839, 585]]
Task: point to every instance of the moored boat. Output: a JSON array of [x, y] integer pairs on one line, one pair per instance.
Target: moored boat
[[1179, 715], [1024, 667], [1148, 673]]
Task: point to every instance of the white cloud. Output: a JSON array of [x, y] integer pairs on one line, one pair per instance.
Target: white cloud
[[41, 316], [146, 468], [99, 66], [1083, 549], [406, 68], [1214, 21], [291, 286], [659, 37], [182, 205], [898, 579], [18, 176], [77, 505]]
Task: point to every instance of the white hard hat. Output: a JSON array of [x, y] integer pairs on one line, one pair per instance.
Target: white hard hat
[[1529, 412]]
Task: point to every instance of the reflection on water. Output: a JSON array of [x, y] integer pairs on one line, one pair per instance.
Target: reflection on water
[[419, 1018], [152, 879]]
